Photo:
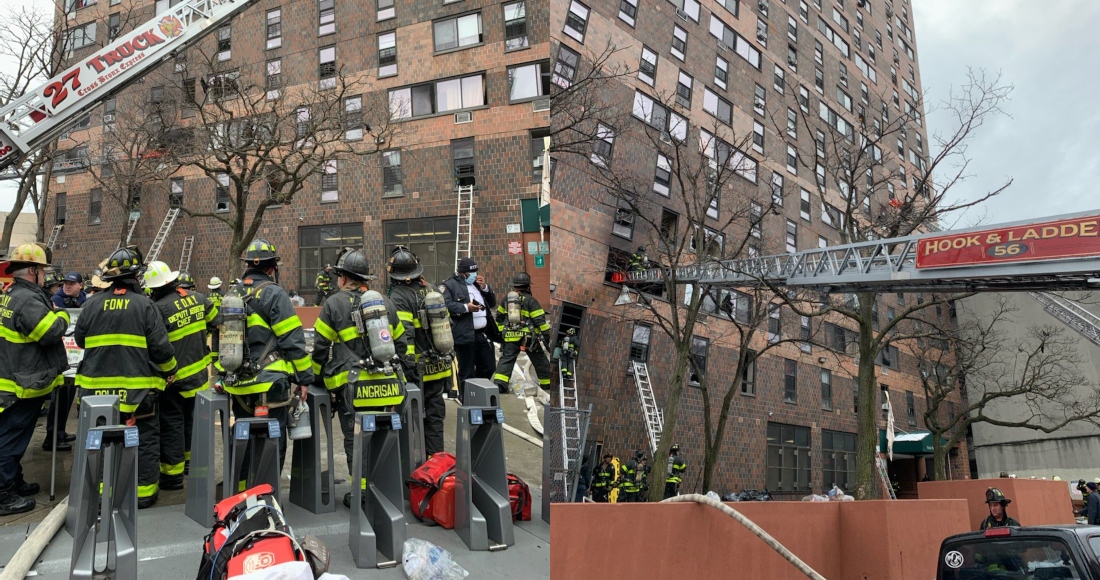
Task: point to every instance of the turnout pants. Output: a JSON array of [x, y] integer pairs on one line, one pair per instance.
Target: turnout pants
[[177, 415], [599, 494], [508, 355], [347, 412], [16, 427], [146, 419], [245, 406], [435, 409]]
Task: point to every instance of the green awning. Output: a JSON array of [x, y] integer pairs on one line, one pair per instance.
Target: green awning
[[532, 216], [916, 442]]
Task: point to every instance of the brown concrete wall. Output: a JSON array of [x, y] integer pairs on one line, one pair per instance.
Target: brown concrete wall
[[308, 315], [1034, 502], [891, 540]]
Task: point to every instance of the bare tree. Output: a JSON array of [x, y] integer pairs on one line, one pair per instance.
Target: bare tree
[[1024, 379], [867, 190]]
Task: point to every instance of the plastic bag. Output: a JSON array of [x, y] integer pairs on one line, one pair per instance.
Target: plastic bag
[[713, 496], [816, 498], [423, 560]]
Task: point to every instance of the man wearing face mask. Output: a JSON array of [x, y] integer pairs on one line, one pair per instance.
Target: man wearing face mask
[[471, 302]]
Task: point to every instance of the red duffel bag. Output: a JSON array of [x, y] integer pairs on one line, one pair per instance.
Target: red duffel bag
[[425, 482], [520, 497]]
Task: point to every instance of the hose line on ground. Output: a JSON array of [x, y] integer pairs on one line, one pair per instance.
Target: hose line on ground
[[36, 542], [752, 527]]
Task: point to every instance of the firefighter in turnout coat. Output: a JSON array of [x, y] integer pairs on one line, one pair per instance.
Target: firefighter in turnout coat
[[127, 353], [188, 317], [407, 291], [32, 358], [342, 359], [524, 329], [276, 345]]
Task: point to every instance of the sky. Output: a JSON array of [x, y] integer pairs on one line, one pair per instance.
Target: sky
[[1048, 139]]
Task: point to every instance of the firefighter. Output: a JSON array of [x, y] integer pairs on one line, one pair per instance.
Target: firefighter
[[185, 280], [628, 478], [998, 517], [567, 355], [32, 358], [343, 359], [127, 353], [638, 260], [214, 291], [433, 348], [324, 285], [604, 479], [676, 469], [275, 346], [188, 317], [522, 321]]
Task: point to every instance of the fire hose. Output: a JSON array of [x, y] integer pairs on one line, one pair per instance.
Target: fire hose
[[36, 542], [752, 527]]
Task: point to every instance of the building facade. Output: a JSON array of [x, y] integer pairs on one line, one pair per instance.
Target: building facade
[[489, 134], [735, 68]]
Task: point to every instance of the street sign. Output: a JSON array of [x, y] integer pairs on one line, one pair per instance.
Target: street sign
[[514, 248], [540, 261], [533, 248], [512, 228], [544, 248], [1055, 240]]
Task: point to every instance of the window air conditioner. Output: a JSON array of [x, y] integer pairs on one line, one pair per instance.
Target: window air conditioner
[[540, 105], [683, 15], [464, 117]]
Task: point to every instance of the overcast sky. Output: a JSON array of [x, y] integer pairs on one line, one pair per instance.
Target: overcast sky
[[1049, 140]]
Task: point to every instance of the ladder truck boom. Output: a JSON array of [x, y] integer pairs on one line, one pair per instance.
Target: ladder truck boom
[[31, 121]]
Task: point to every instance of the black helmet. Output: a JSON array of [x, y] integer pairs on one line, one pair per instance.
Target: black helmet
[[261, 253], [185, 280], [52, 279], [521, 280], [123, 263], [404, 265], [675, 448], [994, 495], [353, 263], [638, 455]]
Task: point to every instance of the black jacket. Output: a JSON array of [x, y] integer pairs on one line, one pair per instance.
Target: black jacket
[[188, 316], [408, 299], [32, 355], [462, 322], [1092, 508]]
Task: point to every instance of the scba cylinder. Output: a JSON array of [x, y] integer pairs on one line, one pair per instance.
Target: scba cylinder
[[440, 322], [376, 323], [514, 307], [232, 335]]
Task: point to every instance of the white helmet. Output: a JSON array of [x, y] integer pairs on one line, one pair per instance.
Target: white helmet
[[158, 274], [215, 283]]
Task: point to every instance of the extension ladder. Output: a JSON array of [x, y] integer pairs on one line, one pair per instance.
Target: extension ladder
[[654, 418], [571, 436], [53, 236], [464, 243], [185, 257], [883, 477], [130, 227], [1070, 314], [162, 234]]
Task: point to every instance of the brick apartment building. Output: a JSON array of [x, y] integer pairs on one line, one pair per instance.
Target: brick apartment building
[[405, 195], [732, 59]]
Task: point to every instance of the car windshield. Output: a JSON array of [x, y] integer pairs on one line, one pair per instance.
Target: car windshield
[[1010, 558]]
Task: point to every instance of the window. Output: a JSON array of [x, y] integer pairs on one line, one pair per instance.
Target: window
[[822, 242], [320, 245], [843, 75], [605, 143], [576, 20], [699, 357], [223, 86], [81, 36], [274, 80], [538, 153], [777, 188], [760, 100], [95, 206], [460, 32], [775, 323], [721, 72], [756, 216], [326, 17], [712, 242], [866, 69], [74, 5], [683, 90], [662, 178], [329, 182], [804, 205], [792, 57], [624, 220], [108, 113], [679, 42], [529, 81], [385, 10], [717, 106], [59, 214], [515, 26], [910, 409], [392, 177], [788, 459], [840, 19], [732, 5], [113, 23], [839, 459], [888, 357], [762, 6], [274, 28], [225, 43], [639, 343], [302, 125], [566, 67], [817, 52], [175, 192], [628, 11], [762, 31], [804, 99], [792, 160], [438, 97], [748, 375], [729, 39], [462, 153], [777, 80], [832, 216], [669, 227], [792, 237], [833, 37], [819, 80], [757, 137], [792, 123], [844, 100], [721, 153], [647, 68], [221, 193], [387, 54], [792, 28]]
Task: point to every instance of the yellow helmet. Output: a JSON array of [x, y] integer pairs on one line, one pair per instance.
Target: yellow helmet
[[158, 274], [25, 255]]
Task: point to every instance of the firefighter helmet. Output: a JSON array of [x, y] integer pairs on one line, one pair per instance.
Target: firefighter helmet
[[159, 275], [639, 455], [25, 256], [215, 283], [675, 448], [404, 265], [521, 280], [187, 280], [994, 495], [261, 253], [353, 263], [123, 263], [52, 279]]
